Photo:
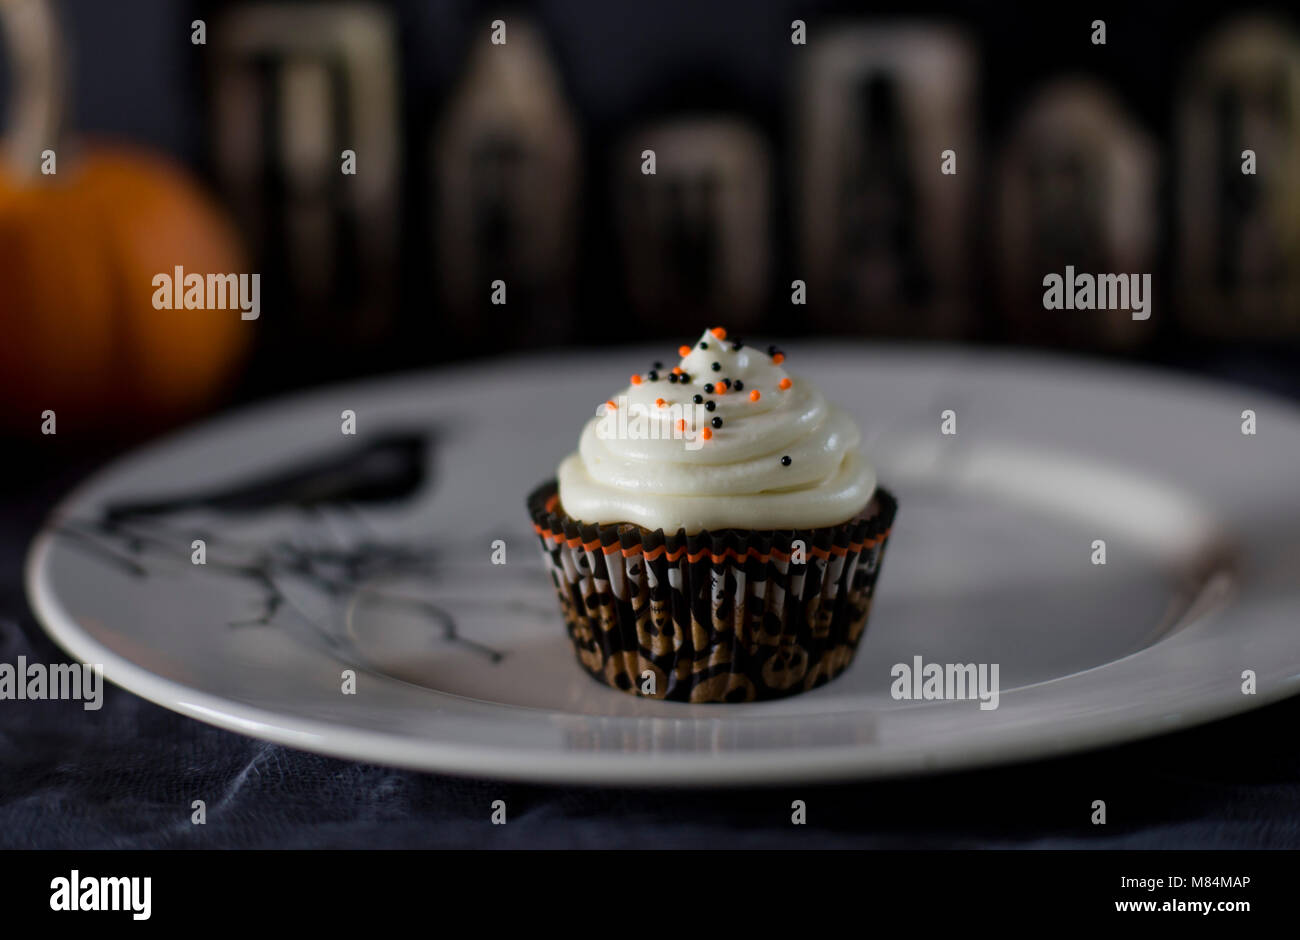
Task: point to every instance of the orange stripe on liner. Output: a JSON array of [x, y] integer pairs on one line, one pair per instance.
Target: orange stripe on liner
[[729, 553]]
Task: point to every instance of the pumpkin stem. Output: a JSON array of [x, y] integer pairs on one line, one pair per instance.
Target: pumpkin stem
[[32, 37]]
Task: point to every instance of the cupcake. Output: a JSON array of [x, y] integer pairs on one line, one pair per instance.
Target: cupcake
[[717, 535]]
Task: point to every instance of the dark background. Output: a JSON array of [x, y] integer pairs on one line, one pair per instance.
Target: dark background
[[135, 76]]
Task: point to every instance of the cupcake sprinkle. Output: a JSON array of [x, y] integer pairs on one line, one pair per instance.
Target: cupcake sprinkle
[[677, 375]]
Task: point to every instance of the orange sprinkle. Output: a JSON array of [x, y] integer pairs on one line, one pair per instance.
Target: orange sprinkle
[[685, 351], [719, 388], [783, 384], [636, 380], [610, 404], [660, 402], [754, 396], [677, 370], [779, 358], [681, 425], [719, 332], [706, 434]]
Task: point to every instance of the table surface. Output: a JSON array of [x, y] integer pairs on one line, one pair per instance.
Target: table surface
[[126, 776]]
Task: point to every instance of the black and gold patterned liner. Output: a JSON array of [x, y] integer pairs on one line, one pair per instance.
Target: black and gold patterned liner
[[724, 616]]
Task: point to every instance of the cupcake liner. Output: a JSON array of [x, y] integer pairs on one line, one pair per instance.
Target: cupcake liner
[[730, 616]]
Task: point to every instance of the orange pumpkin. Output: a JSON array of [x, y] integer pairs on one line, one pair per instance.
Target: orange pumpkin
[[78, 253]]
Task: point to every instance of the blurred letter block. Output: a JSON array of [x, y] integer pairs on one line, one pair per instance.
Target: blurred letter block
[[695, 232], [1075, 187], [883, 231], [295, 86], [1239, 232], [506, 159]]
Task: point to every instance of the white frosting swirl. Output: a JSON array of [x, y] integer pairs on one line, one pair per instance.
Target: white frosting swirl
[[635, 464]]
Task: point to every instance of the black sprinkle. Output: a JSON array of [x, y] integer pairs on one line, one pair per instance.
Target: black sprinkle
[[659, 365], [740, 386], [786, 461], [737, 344], [710, 405], [698, 399], [708, 388], [772, 350], [672, 377], [726, 383], [684, 378], [653, 376], [704, 345], [717, 367], [716, 422]]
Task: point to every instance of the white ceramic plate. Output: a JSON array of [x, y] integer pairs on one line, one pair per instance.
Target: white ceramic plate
[[991, 562]]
